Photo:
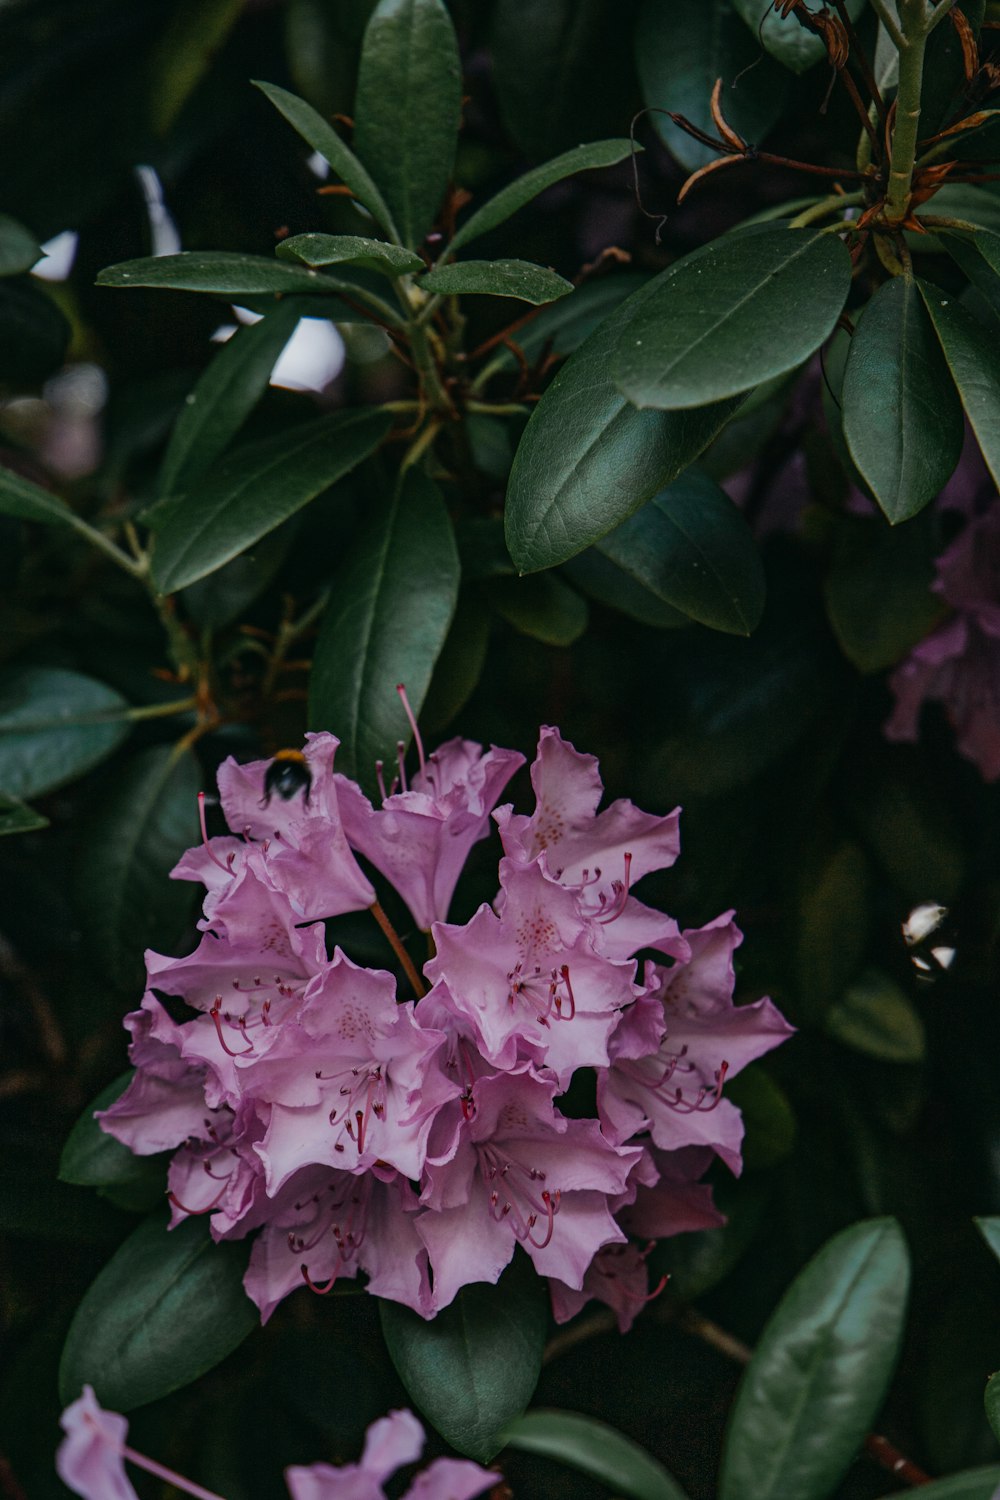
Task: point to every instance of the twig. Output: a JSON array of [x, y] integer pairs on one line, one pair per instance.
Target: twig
[[396, 944]]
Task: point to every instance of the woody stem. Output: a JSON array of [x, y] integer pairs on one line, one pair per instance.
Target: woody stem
[[396, 944]]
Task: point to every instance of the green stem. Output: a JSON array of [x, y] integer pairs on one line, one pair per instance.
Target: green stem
[[104, 544], [289, 631], [162, 710], [888, 20], [498, 408], [430, 380], [825, 206], [917, 26]]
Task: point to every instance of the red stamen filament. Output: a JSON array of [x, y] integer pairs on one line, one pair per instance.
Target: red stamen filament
[[619, 892], [194, 1212], [227, 869], [401, 690], [545, 1207], [150, 1465], [214, 1013]]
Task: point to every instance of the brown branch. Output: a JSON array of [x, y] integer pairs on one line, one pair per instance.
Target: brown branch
[[395, 943]]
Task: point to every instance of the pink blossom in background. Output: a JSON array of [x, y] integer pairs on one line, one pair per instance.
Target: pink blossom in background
[[411, 1129], [958, 665]]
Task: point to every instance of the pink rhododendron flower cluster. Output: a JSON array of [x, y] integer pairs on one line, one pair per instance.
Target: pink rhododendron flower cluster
[[91, 1462], [419, 1137], [958, 664]]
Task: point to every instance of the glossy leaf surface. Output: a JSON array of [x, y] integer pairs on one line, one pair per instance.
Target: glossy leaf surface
[[322, 137], [257, 487], [92, 1158], [407, 108], [168, 1306], [596, 1449], [876, 1016], [784, 37], [499, 278], [680, 51], [390, 610], [739, 311], [691, 548], [215, 410], [588, 459], [473, 1368], [502, 205], [974, 361], [349, 249], [820, 1370], [542, 607], [19, 250], [224, 273], [29, 502], [54, 725], [902, 419]]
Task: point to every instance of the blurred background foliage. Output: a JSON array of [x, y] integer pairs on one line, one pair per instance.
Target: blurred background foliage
[[122, 126]]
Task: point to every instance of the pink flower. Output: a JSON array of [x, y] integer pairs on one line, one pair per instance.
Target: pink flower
[[421, 836], [89, 1460], [390, 1443], [958, 665], [520, 1173]]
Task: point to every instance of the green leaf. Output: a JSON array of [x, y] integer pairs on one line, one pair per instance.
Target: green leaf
[[588, 460], [224, 397], [17, 817], [543, 607], [54, 725], [195, 32], [738, 311], [902, 419], [974, 1484], [595, 1449], [968, 256], [768, 1118], [472, 1369], [989, 1227], [460, 664], [322, 137], [561, 327], [349, 249], [878, 590], [834, 915], [498, 278], [974, 360], [407, 109], [697, 1261], [820, 1370], [254, 489], [92, 1158], [991, 1401], [34, 334], [597, 576], [129, 843], [220, 598], [876, 1017], [960, 200], [391, 608], [19, 250], [167, 1307], [29, 502], [680, 51], [784, 37], [516, 194], [223, 273], [691, 548]]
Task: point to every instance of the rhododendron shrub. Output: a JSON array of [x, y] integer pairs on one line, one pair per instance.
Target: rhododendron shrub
[[410, 1127]]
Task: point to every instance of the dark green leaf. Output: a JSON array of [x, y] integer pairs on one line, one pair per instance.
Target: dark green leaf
[[17, 817], [680, 51], [196, 31], [323, 138], [128, 845], [391, 608], [167, 1307], [472, 1369], [878, 590], [596, 575], [910, 828], [516, 194], [54, 725], [34, 334], [543, 607], [691, 548], [92, 1158], [19, 250], [967, 255], [820, 1370], [407, 109], [875, 1016], [965, 201], [902, 419], [460, 665], [738, 311], [349, 249], [974, 1484], [989, 1227], [595, 1449], [224, 397], [588, 460], [974, 360], [768, 1118], [225, 594], [253, 490], [698, 1261], [224, 273], [561, 327], [29, 502], [784, 37], [834, 914], [498, 278], [943, 90], [991, 1400]]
